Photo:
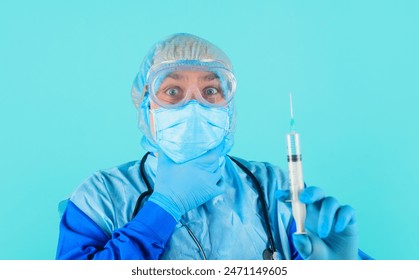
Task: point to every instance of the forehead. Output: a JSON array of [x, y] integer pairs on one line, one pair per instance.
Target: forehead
[[192, 75]]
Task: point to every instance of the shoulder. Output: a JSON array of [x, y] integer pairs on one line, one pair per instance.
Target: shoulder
[[104, 181], [105, 193]]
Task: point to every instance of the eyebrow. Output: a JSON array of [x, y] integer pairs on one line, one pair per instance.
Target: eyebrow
[[208, 77], [175, 76]]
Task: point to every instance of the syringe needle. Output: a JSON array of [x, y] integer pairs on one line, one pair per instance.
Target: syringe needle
[[292, 123]]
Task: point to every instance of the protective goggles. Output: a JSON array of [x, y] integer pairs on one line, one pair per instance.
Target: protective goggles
[[172, 86]]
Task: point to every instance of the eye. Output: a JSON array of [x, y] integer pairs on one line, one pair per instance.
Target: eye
[[172, 91], [211, 91]]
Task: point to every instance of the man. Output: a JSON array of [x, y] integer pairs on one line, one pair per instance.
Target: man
[[186, 199]]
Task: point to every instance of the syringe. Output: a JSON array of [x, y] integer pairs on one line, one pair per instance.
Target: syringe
[[295, 172]]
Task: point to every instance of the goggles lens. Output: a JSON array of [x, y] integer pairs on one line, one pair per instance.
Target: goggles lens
[[171, 88]]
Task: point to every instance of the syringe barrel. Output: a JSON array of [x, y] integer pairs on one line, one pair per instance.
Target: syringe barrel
[[293, 144], [295, 172], [295, 165]]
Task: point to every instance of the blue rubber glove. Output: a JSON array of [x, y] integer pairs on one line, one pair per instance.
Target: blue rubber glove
[[179, 188], [332, 232]]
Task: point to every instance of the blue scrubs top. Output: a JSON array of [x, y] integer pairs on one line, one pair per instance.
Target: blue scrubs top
[[98, 224]]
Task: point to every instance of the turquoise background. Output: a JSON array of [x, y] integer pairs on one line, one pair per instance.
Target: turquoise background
[[66, 69]]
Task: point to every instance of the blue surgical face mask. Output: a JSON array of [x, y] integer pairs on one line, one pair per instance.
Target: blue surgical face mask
[[189, 131]]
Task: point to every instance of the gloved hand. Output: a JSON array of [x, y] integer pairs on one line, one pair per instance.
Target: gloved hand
[[179, 188], [332, 231]]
